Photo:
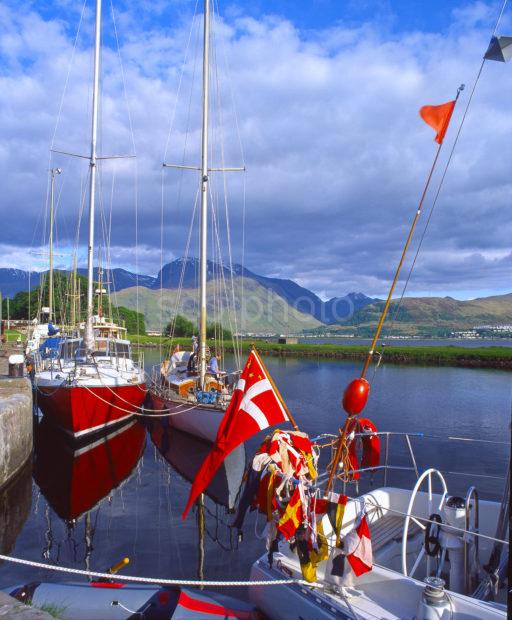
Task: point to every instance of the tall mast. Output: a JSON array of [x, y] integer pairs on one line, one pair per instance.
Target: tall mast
[[73, 296], [79, 306], [89, 335], [204, 198], [53, 171]]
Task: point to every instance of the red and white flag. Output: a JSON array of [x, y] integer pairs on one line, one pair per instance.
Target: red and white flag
[[255, 405], [358, 548]]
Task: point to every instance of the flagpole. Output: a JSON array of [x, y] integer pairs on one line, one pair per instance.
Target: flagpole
[[274, 386], [337, 456], [383, 315], [369, 357]]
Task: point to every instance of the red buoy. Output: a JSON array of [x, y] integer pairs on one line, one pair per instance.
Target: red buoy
[[355, 396]]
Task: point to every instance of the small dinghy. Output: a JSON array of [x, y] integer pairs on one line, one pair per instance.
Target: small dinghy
[[119, 601]]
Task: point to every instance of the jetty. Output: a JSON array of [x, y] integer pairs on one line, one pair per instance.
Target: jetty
[[15, 470], [15, 418]]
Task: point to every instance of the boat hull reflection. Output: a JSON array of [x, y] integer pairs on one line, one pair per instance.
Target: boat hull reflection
[[185, 453], [74, 479]]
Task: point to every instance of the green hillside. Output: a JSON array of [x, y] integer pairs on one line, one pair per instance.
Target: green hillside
[[263, 310], [435, 315]]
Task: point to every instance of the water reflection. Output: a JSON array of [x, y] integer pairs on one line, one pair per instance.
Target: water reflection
[[15, 503], [185, 453], [134, 502], [75, 479]]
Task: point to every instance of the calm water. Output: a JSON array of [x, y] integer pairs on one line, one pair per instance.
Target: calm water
[[124, 498], [470, 343]]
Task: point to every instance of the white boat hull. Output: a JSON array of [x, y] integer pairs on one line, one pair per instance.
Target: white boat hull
[[198, 420], [384, 592], [310, 603]]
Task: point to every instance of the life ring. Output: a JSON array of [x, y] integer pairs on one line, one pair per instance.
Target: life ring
[[370, 443]]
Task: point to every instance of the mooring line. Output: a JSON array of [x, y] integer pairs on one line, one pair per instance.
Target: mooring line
[[157, 581]]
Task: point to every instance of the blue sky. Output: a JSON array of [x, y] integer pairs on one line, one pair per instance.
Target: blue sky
[[396, 16], [322, 95]]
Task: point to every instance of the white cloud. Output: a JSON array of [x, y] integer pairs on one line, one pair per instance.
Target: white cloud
[[336, 153]]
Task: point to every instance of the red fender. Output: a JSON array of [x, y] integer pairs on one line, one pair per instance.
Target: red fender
[[370, 446]]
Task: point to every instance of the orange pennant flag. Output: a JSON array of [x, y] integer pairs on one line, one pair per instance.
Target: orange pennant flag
[[438, 117]]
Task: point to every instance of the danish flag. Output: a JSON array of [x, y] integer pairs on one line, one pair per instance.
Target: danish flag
[[255, 405]]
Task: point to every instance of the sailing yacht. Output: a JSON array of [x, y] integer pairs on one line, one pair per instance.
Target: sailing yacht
[[93, 382], [433, 549], [195, 398], [435, 556], [42, 327]]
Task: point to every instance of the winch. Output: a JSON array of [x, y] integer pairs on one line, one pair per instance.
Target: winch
[[434, 603]]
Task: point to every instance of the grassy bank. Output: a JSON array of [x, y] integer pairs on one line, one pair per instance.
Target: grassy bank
[[482, 357], [12, 335]]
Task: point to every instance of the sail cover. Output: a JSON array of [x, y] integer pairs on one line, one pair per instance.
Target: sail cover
[[500, 49]]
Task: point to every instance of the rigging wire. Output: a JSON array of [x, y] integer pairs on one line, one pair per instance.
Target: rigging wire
[[179, 290], [234, 329], [181, 175], [170, 130], [136, 199], [222, 280], [234, 107], [441, 182], [109, 252], [50, 156]]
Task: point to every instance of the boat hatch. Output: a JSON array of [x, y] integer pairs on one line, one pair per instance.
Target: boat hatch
[[72, 348]]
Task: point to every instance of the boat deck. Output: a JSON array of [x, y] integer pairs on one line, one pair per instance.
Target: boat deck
[[390, 529]]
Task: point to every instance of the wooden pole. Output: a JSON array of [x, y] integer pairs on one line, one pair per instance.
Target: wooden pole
[[399, 268], [274, 386], [337, 456], [383, 315], [369, 357]]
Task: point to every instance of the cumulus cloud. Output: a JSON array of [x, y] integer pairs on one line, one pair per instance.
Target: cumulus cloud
[[335, 152]]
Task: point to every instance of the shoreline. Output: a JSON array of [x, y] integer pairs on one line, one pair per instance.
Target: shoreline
[[483, 357]]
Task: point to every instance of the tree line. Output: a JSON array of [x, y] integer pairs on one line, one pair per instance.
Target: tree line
[[25, 301], [181, 327]]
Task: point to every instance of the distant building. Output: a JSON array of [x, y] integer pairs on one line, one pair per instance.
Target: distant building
[[287, 340]]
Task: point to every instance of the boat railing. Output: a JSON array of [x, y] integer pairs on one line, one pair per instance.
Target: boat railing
[[372, 504], [387, 467], [41, 363], [138, 358], [162, 389]]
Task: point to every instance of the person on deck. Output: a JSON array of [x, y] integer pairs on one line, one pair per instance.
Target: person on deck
[[164, 369], [175, 360], [213, 365], [192, 360]]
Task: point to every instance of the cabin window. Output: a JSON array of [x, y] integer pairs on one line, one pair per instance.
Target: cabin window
[[69, 349], [119, 349]]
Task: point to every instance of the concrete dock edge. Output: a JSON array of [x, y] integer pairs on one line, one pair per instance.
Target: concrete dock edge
[[15, 426]]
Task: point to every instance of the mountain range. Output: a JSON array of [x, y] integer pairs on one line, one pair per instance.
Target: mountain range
[[435, 315], [267, 305], [301, 299]]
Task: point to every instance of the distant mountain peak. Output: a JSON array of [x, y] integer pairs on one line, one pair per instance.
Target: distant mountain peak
[[184, 271]]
